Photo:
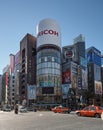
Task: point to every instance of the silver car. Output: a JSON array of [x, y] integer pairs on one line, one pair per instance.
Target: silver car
[[23, 109]]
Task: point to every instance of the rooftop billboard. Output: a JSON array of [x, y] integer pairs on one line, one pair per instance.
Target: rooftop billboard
[[48, 32], [94, 56]]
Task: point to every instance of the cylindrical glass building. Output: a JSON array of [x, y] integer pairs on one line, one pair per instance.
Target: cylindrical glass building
[[48, 62]]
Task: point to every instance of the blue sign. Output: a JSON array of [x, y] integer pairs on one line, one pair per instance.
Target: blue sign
[[32, 92], [93, 57]]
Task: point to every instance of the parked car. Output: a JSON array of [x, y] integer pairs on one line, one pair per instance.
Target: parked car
[[7, 108], [90, 111], [23, 109], [61, 109], [31, 109]]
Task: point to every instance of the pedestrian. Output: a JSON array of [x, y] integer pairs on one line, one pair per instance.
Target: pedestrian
[[16, 109]]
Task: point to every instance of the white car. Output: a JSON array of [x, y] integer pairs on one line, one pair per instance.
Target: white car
[[7, 108], [23, 109]]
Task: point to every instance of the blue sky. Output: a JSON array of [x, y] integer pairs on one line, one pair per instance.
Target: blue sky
[[19, 17]]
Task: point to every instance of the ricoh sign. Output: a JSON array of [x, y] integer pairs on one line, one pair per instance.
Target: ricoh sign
[[45, 32], [48, 32]]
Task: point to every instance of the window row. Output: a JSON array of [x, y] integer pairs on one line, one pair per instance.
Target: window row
[[48, 71], [48, 52], [48, 80], [48, 59], [48, 65]]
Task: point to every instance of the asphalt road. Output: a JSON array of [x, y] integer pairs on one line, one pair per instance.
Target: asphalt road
[[48, 121]]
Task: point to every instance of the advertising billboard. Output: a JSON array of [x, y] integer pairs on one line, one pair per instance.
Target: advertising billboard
[[74, 75], [65, 90], [66, 66], [7, 78], [12, 63], [74, 80], [74, 68], [98, 87], [31, 92], [97, 72], [66, 78], [94, 56], [83, 61], [84, 79], [17, 58], [48, 32]]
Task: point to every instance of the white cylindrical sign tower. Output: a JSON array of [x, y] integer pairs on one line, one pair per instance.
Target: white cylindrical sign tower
[[48, 32]]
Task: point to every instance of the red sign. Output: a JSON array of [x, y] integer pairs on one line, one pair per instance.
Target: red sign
[[44, 32], [66, 77]]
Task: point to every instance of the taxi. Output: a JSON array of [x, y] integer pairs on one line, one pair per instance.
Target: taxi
[[61, 109], [90, 111]]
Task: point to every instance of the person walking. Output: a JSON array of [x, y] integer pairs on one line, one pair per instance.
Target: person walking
[[16, 109]]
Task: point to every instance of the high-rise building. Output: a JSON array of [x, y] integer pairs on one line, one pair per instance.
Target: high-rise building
[[48, 62], [12, 80], [74, 71], [27, 65], [12, 63], [17, 76], [5, 85], [94, 75]]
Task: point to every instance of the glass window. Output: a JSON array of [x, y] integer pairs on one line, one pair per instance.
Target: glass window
[[43, 71], [44, 65], [53, 65], [57, 72], [45, 58], [53, 71], [92, 108], [46, 70], [38, 66], [39, 60], [53, 59], [86, 108], [57, 65], [49, 58], [49, 70], [49, 64]]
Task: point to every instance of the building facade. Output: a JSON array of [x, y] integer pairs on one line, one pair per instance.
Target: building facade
[[6, 85], [27, 65], [17, 76], [12, 80], [74, 72], [48, 62], [94, 76]]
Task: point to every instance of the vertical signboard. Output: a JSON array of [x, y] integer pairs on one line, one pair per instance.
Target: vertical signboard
[[17, 58], [84, 79], [74, 76], [65, 90], [66, 78], [97, 72], [31, 92], [98, 88]]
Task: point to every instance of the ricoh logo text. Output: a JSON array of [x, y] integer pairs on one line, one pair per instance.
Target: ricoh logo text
[[45, 32]]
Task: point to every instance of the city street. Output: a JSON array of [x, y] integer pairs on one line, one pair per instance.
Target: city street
[[48, 121]]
